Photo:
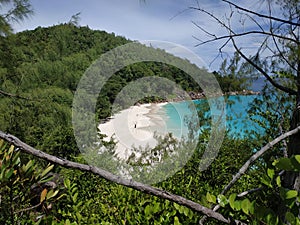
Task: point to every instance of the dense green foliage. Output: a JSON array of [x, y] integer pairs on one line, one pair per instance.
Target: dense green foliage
[[45, 66], [39, 72]]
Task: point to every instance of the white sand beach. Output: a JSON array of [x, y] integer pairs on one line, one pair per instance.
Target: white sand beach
[[135, 127]]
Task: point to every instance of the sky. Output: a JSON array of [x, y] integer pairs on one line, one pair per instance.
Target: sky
[[160, 20]]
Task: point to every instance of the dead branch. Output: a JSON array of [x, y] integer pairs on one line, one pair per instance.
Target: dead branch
[[244, 168], [262, 15], [232, 34], [254, 157], [243, 34], [272, 81], [13, 95], [113, 178]]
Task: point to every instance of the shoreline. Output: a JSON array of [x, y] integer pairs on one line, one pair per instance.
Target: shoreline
[[201, 95], [134, 127]]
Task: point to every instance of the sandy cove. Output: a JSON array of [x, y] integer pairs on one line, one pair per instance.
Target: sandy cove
[[135, 127]]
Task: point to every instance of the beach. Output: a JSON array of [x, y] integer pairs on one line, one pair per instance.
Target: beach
[[135, 127]]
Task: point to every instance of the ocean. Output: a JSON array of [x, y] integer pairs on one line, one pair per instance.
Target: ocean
[[238, 122]]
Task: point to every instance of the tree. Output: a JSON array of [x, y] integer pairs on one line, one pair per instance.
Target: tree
[[231, 75], [276, 57], [11, 12], [17, 11]]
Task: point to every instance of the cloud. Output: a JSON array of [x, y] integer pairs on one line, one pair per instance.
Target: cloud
[[167, 20]]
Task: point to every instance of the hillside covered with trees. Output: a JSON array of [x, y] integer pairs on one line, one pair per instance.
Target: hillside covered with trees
[[44, 178]]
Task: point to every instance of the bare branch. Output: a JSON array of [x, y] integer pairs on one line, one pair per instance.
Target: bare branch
[[272, 81], [249, 192], [232, 35], [212, 16], [262, 15], [111, 177], [28, 209], [205, 31], [254, 157], [275, 41], [13, 95], [245, 34], [244, 168]]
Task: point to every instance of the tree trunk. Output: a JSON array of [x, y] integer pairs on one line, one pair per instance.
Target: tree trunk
[[292, 179]]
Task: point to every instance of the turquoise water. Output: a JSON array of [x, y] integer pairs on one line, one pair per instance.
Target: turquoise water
[[238, 123]]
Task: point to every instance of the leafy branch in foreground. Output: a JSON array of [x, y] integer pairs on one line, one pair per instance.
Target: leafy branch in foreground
[[20, 10], [137, 185], [111, 177]]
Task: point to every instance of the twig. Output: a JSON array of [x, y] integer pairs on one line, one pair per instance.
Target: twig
[[250, 32], [28, 209], [262, 15], [274, 83], [249, 192], [14, 95]]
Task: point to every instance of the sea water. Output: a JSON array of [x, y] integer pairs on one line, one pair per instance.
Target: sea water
[[238, 122]]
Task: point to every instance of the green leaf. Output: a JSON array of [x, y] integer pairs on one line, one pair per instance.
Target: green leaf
[[286, 194], [147, 210], [237, 205], [1, 143], [67, 183], [295, 162], [74, 197], [47, 170], [176, 221], [222, 200], [290, 218], [186, 211], [246, 206], [11, 149], [252, 207], [78, 215], [16, 160], [156, 207], [52, 194], [278, 181], [231, 200], [291, 194], [266, 180], [288, 164], [271, 173], [28, 165], [211, 198], [9, 173], [176, 206]]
